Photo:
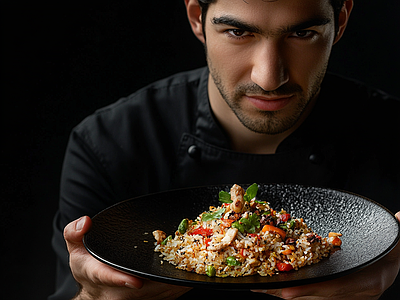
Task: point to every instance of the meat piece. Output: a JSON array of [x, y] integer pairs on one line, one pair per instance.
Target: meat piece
[[290, 241], [237, 194], [253, 262], [226, 241], [159, 236], [313, 237]]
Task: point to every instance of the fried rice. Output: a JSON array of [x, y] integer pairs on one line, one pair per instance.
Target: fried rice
[[243, 236]]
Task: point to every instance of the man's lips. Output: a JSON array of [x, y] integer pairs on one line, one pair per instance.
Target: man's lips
[[272, 103]]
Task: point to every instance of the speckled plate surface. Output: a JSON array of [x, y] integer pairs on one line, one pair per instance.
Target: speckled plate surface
[[121, 236]]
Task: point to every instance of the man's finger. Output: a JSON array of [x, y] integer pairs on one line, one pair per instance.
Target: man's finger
[[273, 292], [74, 232], [99, 273]]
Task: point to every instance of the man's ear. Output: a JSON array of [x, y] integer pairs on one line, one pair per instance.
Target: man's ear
[[343, 19], [193, 10]]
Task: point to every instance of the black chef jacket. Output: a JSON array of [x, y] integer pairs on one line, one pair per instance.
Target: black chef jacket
[[165, 136]]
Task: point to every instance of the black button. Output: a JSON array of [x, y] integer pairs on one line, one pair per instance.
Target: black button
[[316, 158], [194, 152]]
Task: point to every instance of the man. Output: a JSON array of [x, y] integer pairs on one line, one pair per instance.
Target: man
[[263, 111]]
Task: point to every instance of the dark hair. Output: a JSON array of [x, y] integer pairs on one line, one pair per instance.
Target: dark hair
[[336, 4]]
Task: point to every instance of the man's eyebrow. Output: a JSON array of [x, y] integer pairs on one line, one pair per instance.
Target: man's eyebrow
[[234, 22], [314, 22], [231, 21]]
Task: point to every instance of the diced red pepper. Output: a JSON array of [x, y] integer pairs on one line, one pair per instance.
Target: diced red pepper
[[227, 222], [206, 232], [244, 255], [254, 235], [284, 217], [284, 267]]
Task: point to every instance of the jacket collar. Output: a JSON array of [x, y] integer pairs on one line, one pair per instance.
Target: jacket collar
[[207, 127]]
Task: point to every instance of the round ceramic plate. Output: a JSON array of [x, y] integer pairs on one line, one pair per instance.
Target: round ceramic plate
[[121, 235]]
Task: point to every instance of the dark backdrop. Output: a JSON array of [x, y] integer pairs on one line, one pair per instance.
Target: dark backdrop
[[60, 63]]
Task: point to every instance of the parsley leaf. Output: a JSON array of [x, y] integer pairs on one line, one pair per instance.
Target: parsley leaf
[[225, 197], [213, 216], [239, 226], [251, 192], [249, 225]]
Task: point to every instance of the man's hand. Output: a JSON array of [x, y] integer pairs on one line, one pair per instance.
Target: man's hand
[[99, 281], [367, 284]]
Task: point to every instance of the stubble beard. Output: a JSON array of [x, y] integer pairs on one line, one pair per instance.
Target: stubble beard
[[267, 122]]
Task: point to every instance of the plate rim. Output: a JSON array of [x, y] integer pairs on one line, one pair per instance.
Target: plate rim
[[240, 286]]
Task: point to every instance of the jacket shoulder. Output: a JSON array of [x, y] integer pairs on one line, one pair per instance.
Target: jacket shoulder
[[155, 103], [345, 88]]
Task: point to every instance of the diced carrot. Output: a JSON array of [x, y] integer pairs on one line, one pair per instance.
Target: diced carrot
[[334, 234], [287, 252], [275, 230], [337, 242]]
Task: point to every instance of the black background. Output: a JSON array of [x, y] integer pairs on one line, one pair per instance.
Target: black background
[[60, 63]]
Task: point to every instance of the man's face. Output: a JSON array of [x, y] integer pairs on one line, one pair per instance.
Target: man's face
[[267, 58]]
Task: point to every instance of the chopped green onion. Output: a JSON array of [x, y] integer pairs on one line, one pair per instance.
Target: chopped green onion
[[232, 261], [287, 225], [261, 202], [210, 271], [164, 242], [183, 226]]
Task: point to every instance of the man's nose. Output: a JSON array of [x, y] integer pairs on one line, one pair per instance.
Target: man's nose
[[268, 68]]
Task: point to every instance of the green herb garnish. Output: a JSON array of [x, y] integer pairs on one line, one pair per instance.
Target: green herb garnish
[[238, 225], [213, 216], [251, 192], [247, 225], [225, 197]]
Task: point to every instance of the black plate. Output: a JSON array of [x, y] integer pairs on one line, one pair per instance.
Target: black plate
[[121, 236]]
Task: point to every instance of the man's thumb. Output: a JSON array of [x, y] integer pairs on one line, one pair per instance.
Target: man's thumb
[[74, 232]]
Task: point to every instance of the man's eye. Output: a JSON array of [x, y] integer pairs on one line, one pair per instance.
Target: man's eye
[[237, 33], [303, 34]]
